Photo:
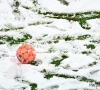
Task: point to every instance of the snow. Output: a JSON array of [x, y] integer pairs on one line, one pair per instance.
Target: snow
[[51, 6], [17, 76], [84, 5], [74, 6]]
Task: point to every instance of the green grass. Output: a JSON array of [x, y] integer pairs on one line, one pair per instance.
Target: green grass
[[33, 86], [83, 79], [68, 38], [90, 46], [12, 41], [80, 17], [2, 42], [57, 62], [84, 24], [86, 52], [83, 37], [92, 64], [52, 49], [40, 22], [56, 39], [75, 70], [49, 42], [64, 2], [48, 76], [95, 41], [86, 79]]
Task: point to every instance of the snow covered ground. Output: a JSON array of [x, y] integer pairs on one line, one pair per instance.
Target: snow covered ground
[[68, 55]]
